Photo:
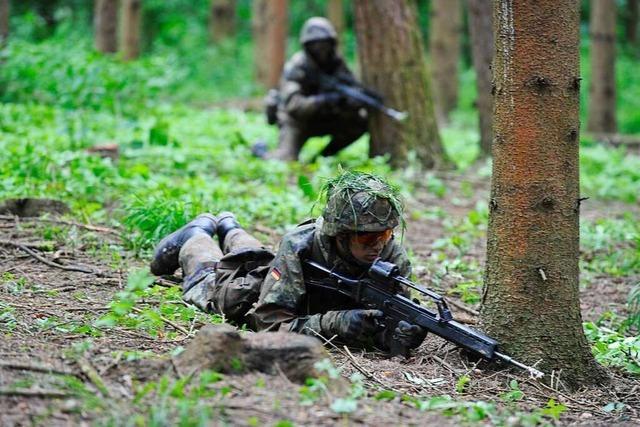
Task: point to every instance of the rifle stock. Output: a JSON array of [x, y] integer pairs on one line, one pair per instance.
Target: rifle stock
[[376, 291]]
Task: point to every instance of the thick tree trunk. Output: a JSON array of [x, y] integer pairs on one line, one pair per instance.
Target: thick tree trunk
[[633, 15], [530, 300], [131, 16], [481, 31], [392, 62], [444, 48], [270, 29], [222, 20], [105, 22], [335, 14], [4, 21], [602, 89]]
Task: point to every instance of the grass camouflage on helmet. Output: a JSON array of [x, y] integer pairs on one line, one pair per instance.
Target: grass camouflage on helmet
[[360, 202]]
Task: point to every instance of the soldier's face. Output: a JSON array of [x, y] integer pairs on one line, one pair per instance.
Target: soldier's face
[[322, 51], [366, 247]]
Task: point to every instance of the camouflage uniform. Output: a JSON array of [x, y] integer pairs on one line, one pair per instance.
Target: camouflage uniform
[[249, 274], [302, 115]]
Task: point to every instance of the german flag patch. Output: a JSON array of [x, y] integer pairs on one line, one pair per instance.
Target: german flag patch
[[275, 273]]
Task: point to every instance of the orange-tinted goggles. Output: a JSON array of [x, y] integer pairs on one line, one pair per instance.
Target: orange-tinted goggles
[[372, 238]]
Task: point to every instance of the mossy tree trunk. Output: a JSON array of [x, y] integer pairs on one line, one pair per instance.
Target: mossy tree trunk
[[105, 23], [270, 28], [393, 63], [530, 301], [444, 50], [222, 19], [481, 31], [602, 89], [131, 17], [4, 21]]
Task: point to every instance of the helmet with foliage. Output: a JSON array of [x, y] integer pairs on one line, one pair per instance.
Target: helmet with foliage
[[317, 28], [360, 202]]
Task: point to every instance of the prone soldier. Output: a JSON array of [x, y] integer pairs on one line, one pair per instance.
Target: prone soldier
[[239, 278]]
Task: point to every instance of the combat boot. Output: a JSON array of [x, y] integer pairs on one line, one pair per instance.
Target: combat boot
[[165, 256], [226, 222]]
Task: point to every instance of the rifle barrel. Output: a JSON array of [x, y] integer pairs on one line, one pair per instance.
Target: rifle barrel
[[533, 371]]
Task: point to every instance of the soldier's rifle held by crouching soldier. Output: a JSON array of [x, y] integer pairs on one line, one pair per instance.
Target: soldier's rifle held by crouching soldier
[[379, 291], [356, 92]]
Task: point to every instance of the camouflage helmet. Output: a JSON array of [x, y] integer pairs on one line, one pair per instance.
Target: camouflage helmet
[[360, 202], [317, 28]]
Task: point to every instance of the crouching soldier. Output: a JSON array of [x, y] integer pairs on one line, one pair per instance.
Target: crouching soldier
[[305, 105], [240, 279]]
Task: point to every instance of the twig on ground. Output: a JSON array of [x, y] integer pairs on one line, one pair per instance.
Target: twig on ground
[[36, 245], [64, 222], [34, 392], [167, 321], [54, 264], [356, 365], [90, 372], [445, 364], [35, 367], [463, 307]]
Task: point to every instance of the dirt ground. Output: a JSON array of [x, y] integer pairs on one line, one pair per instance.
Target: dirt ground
[[40, 290]]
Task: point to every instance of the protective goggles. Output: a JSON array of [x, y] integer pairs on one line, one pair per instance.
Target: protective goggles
[[373, 238]]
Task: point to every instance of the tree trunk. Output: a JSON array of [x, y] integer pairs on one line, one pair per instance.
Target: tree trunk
[[131, 16], [446, 26], [632, 22], [222, 21], [270, 29], [335, 14], [105, 22], [602, 89], [481, 31], [393, 63], [530, 300], [4, 21]]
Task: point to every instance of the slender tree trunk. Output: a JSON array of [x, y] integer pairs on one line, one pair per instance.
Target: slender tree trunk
[[270, 29], [633, 14], [482, 46], [105, 22], [335, 14], [392, 62], [4, 21], [131, 16], [530, 301], [602, 89], [446, 26], [222, 20]]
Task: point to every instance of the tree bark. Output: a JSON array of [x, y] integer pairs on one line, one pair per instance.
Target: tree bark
[[531, 301], [602, 89], [4, 21], [105, 22], [335, 14], [222, 20], [270, 28], [633, 14], [481, 31], [131, 16], [393, 63], [444, 48]]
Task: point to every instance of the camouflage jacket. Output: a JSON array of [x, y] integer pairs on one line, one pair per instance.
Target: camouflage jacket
[[299, 83], [286, 302]]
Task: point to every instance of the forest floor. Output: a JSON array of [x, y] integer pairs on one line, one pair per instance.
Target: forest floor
[[93, 376]]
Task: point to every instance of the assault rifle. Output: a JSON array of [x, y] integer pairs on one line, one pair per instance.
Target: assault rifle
[[377, 292], [353, 90]]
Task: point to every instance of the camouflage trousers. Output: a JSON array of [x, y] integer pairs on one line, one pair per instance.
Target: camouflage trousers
[[225, 280], [343, 128]]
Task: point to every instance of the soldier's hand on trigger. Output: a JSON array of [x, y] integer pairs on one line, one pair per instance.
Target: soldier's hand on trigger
[[408, 335]]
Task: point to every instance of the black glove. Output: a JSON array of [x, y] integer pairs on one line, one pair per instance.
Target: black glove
[[408, 335], [328, 99], [351, 324]]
